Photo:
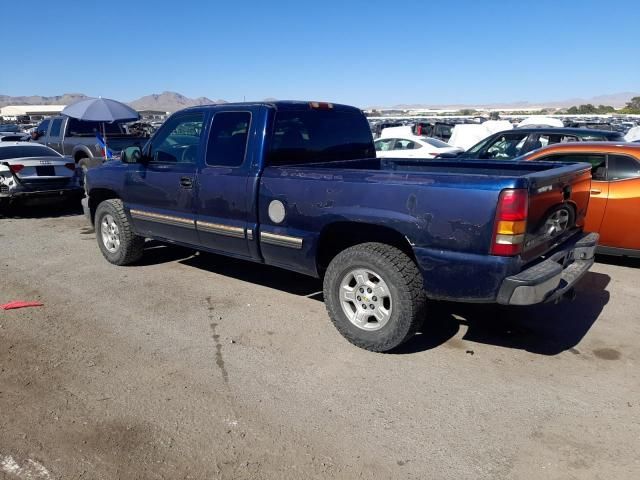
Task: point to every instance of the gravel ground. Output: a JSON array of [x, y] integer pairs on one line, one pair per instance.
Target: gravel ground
[[197, 366]]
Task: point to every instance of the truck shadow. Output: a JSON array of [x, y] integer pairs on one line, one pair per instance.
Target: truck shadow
[[547, 329], [265, 275]]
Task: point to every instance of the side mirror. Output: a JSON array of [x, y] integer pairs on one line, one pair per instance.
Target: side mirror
[[131, 155]]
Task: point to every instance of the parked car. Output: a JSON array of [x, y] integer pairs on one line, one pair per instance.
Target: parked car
[[295, 184], [78, 139], [614, 208], [32, 171], [413, 147], [440, 130], [513, 143]]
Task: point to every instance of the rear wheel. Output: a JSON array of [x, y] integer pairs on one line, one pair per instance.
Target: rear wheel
[[374, 295], [114, 233]]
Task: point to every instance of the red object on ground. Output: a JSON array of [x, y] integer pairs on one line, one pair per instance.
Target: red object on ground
[[18, 304]]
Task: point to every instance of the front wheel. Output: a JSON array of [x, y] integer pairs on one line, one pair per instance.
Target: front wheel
[[374, 295], [114, 233]]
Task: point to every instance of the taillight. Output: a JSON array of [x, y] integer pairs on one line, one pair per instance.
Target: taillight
[[70, 166], [511, 222], [16, 167], [419, 130]]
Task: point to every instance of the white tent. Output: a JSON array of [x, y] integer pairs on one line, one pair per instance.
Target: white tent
[[633, 134], [495, 126], [466, 135], [392, 132], [541, 120]]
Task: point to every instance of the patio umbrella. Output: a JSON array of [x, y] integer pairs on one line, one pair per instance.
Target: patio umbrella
[[101, 110]]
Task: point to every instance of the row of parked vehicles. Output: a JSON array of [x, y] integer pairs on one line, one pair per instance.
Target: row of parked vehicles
[[298, 185]]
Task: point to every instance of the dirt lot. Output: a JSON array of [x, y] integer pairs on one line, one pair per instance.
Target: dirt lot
[[197, 366]]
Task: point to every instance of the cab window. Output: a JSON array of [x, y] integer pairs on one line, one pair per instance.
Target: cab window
[[598, 162], [178, 141], [228, 139]]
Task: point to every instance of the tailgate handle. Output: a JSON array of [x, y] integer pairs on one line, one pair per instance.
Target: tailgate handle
[[186, 182]]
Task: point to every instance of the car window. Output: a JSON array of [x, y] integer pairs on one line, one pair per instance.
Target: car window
[[403, 144], [228, 139], [22, 151], [178, 141], [621, 167], [312, 136], [507, 146], [55, 127], [598, 162], [77, 127], [434, 142], [385, 144], [43, 127]]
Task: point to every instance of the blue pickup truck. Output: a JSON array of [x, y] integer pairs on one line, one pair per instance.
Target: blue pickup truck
[[297, 185]]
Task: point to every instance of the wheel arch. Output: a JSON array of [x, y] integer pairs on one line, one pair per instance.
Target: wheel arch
[[97, 196], [338, 236]]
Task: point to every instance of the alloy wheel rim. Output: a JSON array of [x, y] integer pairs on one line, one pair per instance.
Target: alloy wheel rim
[[365, 299], [557, 222], [110, 233]]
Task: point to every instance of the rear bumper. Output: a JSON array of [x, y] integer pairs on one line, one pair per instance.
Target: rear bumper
[[553, 277], [58, 192]]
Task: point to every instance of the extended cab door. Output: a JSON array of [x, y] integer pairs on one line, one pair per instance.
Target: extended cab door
[[226, 199], [160, 191]]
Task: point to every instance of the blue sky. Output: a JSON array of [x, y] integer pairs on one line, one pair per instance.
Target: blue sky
[[361, 53]]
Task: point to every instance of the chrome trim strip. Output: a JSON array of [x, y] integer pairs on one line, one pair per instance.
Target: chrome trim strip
[[220, 229], [281, 240], [167, 219]]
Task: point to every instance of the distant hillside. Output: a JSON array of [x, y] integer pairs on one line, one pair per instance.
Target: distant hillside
[[170, 102], [166, 101], [613, 99], [64, 99]]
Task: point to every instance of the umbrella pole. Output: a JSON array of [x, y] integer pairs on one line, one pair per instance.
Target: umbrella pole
[[104, 137]]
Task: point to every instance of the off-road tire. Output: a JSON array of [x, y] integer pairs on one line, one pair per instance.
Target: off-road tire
[[131, 245], [405, 284]]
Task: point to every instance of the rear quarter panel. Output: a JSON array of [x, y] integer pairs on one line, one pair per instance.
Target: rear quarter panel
[[449, 213]]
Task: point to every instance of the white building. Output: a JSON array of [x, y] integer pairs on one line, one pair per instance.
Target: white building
[[12, 112]]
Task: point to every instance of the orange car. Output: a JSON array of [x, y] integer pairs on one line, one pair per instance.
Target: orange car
[[614, 208]]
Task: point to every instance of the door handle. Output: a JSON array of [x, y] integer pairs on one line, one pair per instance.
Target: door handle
[[186, 182], [595, 191]]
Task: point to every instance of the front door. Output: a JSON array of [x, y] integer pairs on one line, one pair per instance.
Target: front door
[[159, 193], [620, 224], [224, 202]]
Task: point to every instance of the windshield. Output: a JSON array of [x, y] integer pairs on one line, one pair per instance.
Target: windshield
[[434, 142], [22, 151]]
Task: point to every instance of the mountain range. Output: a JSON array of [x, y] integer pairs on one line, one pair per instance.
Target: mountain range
[[172, 101], [166, 101]]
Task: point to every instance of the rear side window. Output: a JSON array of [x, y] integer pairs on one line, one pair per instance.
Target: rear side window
[[402, 144], [228, 139], [622, 167], [7, 153], [319, 136], [55, 127], [77, 127]]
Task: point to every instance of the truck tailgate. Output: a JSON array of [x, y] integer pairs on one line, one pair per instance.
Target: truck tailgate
[[558, 201]]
